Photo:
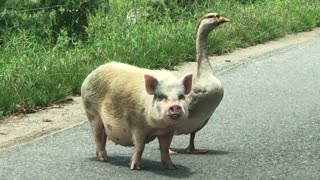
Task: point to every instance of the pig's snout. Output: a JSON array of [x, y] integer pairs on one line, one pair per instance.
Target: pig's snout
[[175, 111]]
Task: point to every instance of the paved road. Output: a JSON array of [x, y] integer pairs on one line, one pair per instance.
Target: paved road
[[268, 126]]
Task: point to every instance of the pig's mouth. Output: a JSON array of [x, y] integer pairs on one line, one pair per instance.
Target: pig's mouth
[[175, 116]]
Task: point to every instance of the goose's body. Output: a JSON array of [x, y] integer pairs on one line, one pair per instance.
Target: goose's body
[[205, 97], [207, 90]]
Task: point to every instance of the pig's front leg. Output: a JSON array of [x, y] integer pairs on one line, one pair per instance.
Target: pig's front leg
[[139, 141], [164, 142]]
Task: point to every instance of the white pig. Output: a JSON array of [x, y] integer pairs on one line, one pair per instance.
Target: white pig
[[132, 106]]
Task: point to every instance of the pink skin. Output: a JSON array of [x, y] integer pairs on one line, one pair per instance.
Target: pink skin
[[165, 137], [139, 135], [174, 111], [165, 142], [99, 135], [136, 157]]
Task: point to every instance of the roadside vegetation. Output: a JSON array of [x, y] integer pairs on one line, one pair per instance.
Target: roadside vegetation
[[42, 62]]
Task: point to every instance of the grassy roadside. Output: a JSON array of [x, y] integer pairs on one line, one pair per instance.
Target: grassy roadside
[[33, 73]]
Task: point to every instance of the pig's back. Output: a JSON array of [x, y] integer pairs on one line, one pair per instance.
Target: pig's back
[[115, 85], [117, 92], [114, 77], [113, 90]]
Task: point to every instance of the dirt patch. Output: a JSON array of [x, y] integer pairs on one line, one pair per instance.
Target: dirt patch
[[25, 128]]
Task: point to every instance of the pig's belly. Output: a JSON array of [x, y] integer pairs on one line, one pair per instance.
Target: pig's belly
[[118, 132]]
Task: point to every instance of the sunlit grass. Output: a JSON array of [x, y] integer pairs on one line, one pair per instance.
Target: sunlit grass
[[33, 73]]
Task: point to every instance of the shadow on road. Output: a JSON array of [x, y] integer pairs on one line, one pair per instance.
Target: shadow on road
[[150, 166], [210, 152]]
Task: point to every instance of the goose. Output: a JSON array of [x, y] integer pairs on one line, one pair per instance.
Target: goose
[[207, 90]]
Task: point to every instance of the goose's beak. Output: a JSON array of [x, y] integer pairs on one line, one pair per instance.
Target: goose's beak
[[223, 20]]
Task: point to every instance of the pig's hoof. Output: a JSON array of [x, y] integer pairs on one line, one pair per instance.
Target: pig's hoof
[[134, 165], [196, 151], [172, 152], [169, 165], [102, 156]]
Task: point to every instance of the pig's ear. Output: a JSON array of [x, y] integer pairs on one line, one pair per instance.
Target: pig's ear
[[150, 83], [187, 83]]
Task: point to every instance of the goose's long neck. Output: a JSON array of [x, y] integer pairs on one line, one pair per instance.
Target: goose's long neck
[[204, 65]]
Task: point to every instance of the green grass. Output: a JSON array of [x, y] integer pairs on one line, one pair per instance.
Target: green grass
[[33, 73]]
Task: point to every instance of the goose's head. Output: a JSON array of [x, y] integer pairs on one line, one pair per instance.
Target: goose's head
[[210, 21]]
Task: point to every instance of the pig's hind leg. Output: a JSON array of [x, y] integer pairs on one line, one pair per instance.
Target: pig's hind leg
[[99, 134]]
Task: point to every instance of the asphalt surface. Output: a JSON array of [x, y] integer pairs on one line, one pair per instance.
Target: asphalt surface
[[267, 127]]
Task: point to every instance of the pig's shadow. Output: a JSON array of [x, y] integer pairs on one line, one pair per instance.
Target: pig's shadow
[[210, 152], [150, 166]]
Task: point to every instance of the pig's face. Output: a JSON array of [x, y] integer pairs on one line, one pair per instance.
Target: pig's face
[[169, 105]]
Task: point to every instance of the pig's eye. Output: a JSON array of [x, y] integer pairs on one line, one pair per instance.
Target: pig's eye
[[181, 97], [162, 97]]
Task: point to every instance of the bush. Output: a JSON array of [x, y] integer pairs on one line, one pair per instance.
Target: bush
[[36, 72], [67, 18]]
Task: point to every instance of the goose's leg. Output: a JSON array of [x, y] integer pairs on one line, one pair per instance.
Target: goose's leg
[[191, 148]]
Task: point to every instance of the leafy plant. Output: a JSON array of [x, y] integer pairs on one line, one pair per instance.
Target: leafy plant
[[36, 72]]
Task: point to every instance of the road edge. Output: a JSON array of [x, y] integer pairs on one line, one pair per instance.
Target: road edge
[[220, 64]]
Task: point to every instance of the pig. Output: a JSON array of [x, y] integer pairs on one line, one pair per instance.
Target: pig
[[132, 106]]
